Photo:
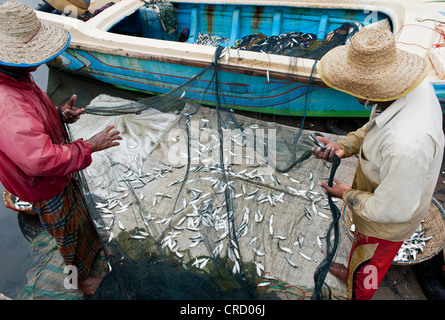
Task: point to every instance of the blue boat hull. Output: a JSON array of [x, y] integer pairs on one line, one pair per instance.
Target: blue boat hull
[[239, 91], [252, 88]]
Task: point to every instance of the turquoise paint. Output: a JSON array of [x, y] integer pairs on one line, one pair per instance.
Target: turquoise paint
[[322, 27], [235, 32], [239, 91], [276, 25]]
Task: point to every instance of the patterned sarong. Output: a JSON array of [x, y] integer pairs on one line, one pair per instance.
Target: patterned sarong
[[369, 261], [66, 219]]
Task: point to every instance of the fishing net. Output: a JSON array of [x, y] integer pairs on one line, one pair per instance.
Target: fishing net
[[202, 203]]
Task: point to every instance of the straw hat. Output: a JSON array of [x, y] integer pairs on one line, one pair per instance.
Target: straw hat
[[372, 68], [24, 40]]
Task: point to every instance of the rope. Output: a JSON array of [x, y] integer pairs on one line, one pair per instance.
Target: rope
[[323, 268], [437, 28]]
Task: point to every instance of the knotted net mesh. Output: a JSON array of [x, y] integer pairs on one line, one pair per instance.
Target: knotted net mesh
[[202, 203]]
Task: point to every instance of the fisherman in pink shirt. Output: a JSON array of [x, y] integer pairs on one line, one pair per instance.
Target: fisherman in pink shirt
[[37, 163]]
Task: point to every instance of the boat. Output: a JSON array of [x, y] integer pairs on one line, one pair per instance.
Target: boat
[[128, 46]]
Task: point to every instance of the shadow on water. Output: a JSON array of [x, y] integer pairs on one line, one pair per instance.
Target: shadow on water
[[14, 253], [61, 86]]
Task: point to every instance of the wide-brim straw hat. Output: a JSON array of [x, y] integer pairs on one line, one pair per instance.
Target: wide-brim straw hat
[[24, 40], [372, 68]]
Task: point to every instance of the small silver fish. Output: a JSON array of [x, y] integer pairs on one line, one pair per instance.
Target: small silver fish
[[321, 214], [263, 284], [259, 268], [291, 262], [305, 256], [285, 249], [318, 241], [236, 267], [258, 216], [271, 225], [138, 237], [252, 241], [258, 252]]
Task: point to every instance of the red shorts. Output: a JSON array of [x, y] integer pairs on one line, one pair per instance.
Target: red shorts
[[369, 260]]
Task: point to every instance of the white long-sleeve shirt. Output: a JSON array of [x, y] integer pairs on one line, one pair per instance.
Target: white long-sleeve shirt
[[400, 156]]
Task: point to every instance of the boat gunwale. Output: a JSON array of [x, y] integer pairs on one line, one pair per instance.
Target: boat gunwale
[[280, 67], [314, 79], [89, 36], [124, 8]]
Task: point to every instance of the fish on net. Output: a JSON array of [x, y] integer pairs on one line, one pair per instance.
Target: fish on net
[[172, 213], [297, 44]]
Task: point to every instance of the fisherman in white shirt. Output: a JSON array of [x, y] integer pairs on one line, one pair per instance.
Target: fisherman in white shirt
[[400, 150]]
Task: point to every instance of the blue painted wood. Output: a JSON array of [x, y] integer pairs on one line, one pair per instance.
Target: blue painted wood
[[323, 27], [276, 26], [235, 32], [270, 20], [239, 91], [194, 25]]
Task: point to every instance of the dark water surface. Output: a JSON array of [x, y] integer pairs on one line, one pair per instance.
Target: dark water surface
[[14, 254]]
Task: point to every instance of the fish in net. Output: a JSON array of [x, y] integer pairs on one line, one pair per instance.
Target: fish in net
[[195, 210], [297, 44]]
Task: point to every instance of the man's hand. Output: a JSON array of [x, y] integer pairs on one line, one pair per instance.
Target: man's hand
[[337, 189], [331, 149], [71, 114], [105, 139]]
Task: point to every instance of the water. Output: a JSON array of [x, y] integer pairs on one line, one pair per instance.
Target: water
[[14, 251]]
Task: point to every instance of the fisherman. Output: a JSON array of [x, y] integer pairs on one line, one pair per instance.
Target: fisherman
[[37, 164], [399, 151]]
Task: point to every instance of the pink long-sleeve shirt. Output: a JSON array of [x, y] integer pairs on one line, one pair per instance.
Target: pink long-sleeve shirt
[[36, 162]]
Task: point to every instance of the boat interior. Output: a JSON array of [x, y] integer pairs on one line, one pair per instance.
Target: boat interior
[[308, 30], [233, 22]]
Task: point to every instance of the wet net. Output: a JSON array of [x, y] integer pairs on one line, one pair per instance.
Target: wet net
[[201, 203], [297, 44]]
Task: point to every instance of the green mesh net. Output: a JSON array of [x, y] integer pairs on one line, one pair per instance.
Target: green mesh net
[[201, 203]]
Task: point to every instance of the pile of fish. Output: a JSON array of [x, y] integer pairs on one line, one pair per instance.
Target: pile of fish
[[283, 44], [21, 205], [297, 44], [209, 40], [411, 247], [199, 209]]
